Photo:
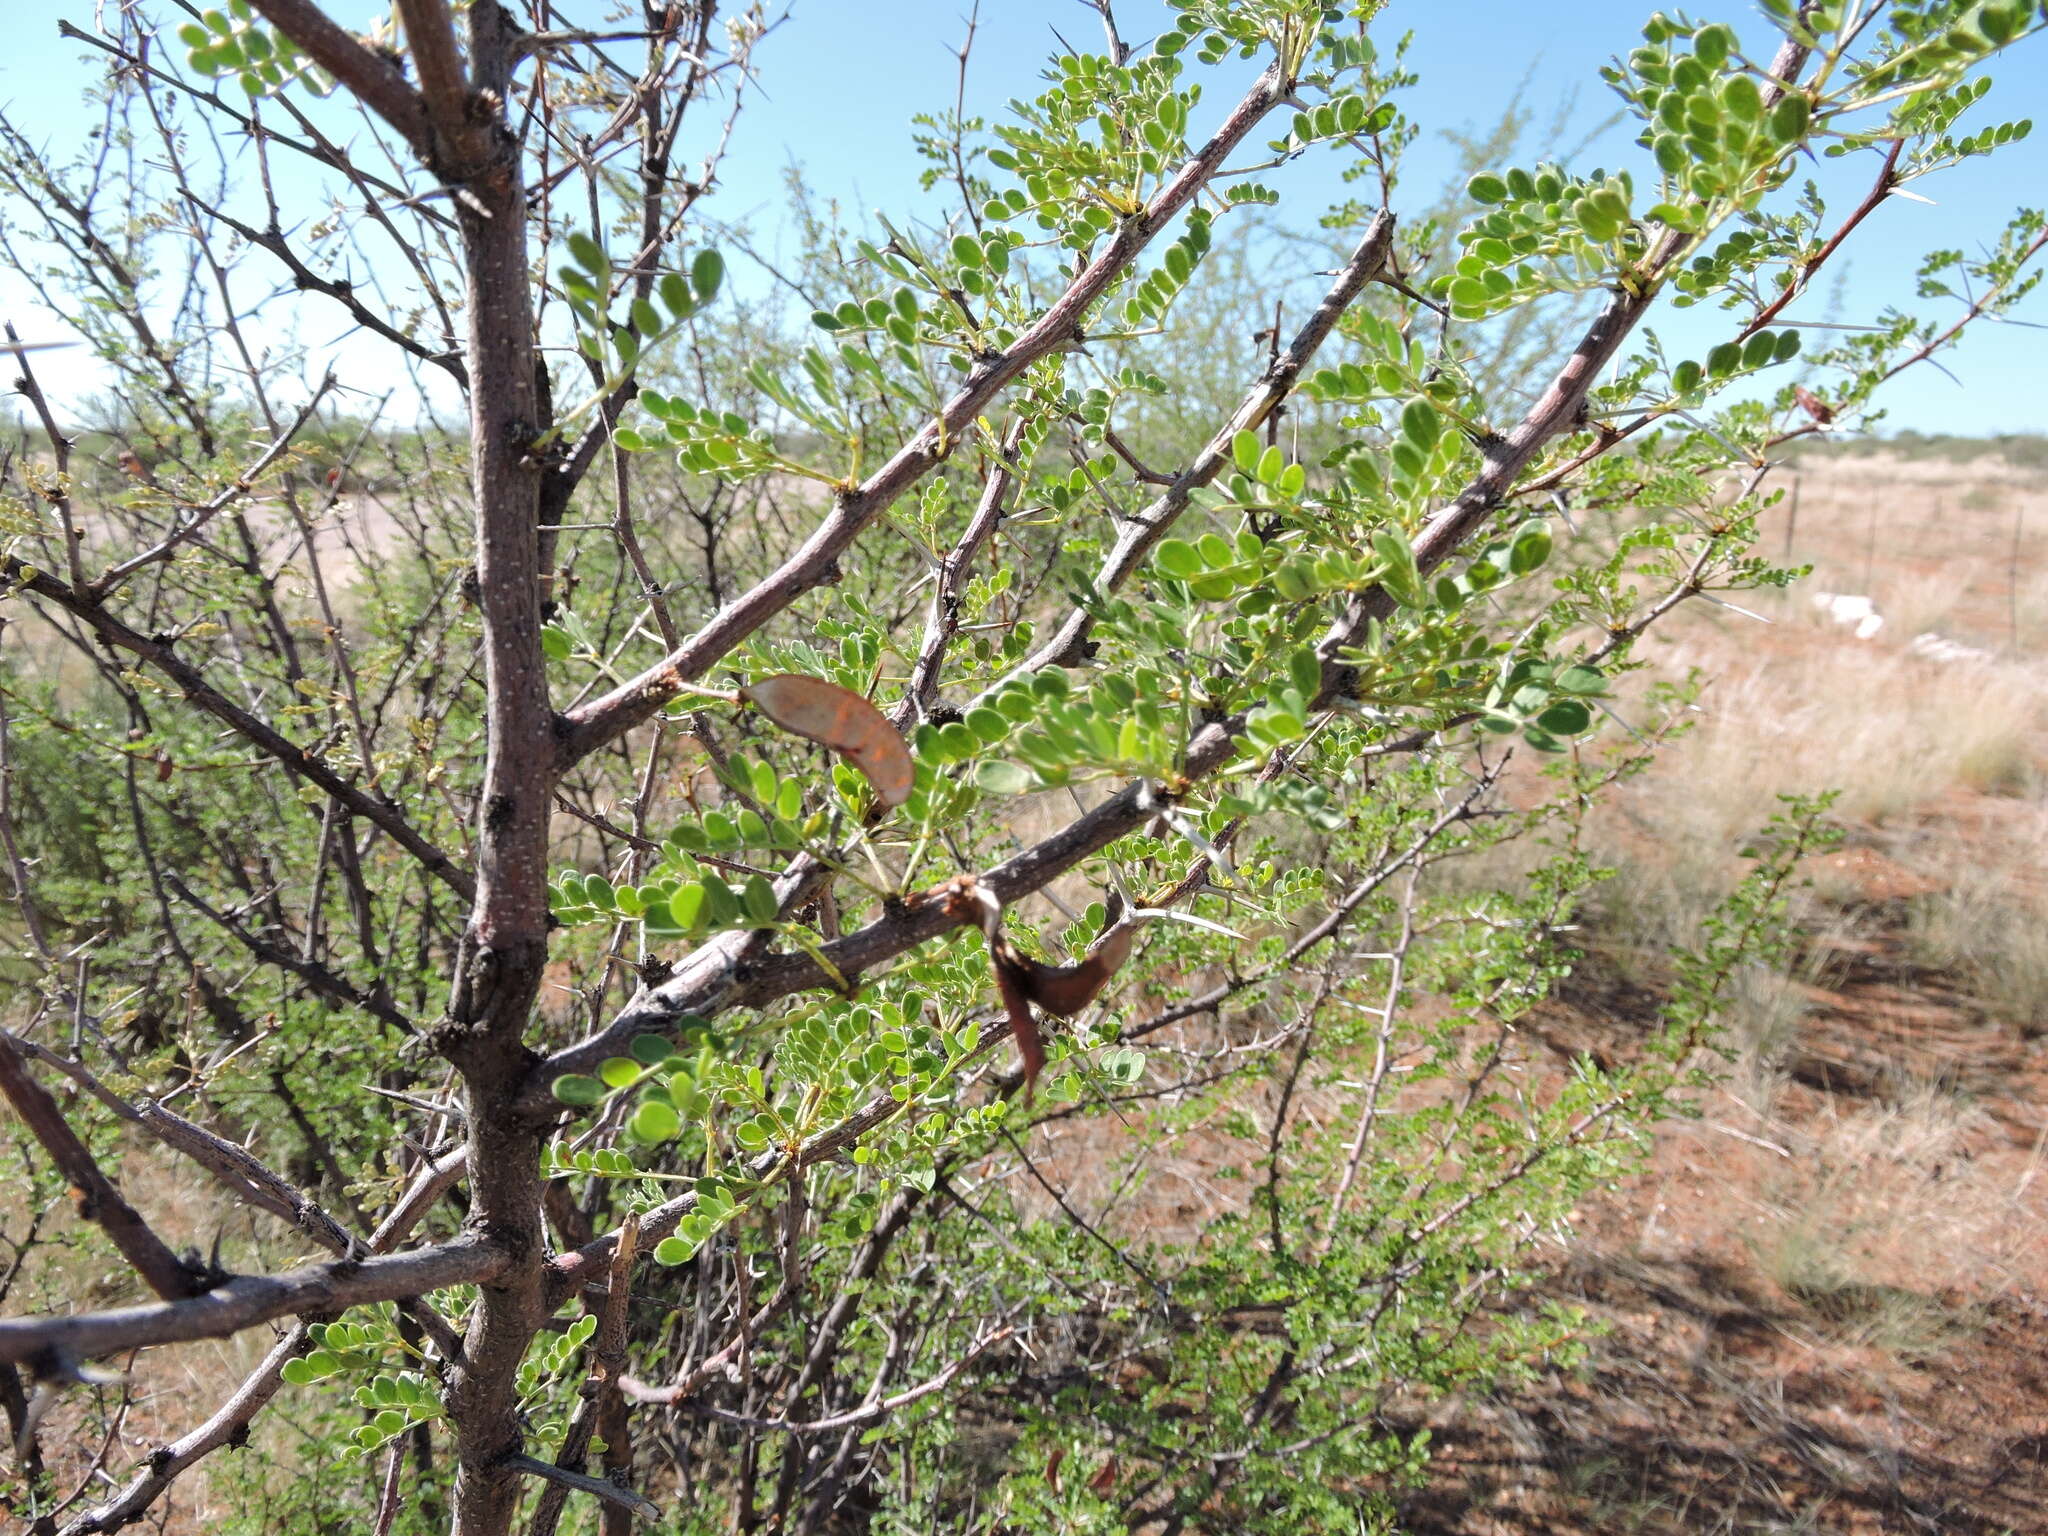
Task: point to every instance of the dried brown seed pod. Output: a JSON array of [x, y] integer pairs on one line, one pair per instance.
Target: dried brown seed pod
[[841, 719]]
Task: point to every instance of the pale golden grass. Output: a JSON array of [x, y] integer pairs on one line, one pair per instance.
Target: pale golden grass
[[1885, 1225], [2028, 603], [1892, 733], [1764, 1013], [1916, 602], [1988, 924]]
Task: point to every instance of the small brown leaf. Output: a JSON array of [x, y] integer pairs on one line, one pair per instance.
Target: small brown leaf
[[1813, 405], [841, 719]]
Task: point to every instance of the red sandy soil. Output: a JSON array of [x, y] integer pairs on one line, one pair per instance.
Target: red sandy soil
[[1904, 1391]]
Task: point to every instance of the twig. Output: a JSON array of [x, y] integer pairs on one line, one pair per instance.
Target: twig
[[867, 1413], [598, 1487]]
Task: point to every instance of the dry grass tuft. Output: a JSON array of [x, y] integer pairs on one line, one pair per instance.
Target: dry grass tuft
[[1817, 711], [1882, 1230], [1988, 925]]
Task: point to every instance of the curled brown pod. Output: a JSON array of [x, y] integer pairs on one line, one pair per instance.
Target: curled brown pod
[[1061, 990]]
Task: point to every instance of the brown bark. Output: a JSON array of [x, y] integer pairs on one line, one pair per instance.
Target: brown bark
[[456, 122], [505, 947], [52, 1343]]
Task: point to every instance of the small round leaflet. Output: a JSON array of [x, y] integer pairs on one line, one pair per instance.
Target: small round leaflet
[[841, 719]]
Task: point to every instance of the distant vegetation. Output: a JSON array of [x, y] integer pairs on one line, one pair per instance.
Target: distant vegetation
[[2023, 450]]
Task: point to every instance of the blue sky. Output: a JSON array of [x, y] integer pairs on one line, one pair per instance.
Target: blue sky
[[840, 81]]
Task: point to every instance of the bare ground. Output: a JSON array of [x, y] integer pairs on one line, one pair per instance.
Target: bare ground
[[1824, 1304]]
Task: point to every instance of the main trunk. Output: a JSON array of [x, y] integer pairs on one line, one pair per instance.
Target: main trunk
[[506, 947]]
